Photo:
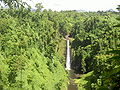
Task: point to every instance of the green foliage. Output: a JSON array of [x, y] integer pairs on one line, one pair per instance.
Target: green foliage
[[84, 83], [32, 49], [39, 7], [106, 64], [107, 70], [28, 52], [11, 3], [93, 36]]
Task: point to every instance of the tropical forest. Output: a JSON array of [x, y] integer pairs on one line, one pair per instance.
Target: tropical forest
[[33, 48]]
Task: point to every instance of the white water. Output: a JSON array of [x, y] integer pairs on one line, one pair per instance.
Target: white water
[[68, 56]]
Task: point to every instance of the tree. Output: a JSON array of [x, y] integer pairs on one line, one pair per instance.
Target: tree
[[118, 8], [39, 7], [11, 3]]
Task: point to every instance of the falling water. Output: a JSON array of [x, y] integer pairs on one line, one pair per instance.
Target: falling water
[[68, 56], [71, 85]]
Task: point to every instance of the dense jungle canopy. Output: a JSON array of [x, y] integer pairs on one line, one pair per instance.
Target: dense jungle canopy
[[33, 49]]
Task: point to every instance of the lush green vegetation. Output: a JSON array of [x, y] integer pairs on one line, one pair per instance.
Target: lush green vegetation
[[98, 52], [32, 48], [29, 51]]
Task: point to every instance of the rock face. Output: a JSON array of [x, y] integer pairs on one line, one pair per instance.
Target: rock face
[[67, 37]]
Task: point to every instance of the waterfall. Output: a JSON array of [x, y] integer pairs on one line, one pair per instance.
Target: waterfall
[[68, 56]]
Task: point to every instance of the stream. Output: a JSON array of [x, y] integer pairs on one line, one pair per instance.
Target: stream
[[72, 85]]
